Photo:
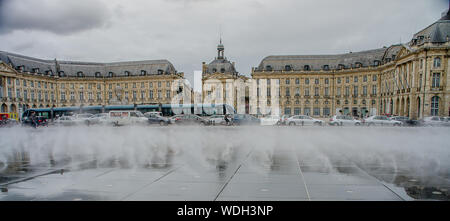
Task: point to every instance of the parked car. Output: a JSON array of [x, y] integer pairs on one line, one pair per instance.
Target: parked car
[[271, 120], [245, 119], [434, 121], [283, 119], [217, 119], [157, 119], [381, 120], [101, 118], [152, 113], [190, 119], [82, 118], [343, 120], [303, 120], [65, 121], [406, 121], [119, 118]]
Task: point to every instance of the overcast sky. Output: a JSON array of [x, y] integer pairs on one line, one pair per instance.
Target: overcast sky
[[186, 32]]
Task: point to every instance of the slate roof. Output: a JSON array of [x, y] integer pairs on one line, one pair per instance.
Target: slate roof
[[438, 32], [88, 69]]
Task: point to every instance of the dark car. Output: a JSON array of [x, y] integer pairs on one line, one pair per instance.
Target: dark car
[[156, 119], [190, 119], [406, 121], [39, 121], [245, 119]]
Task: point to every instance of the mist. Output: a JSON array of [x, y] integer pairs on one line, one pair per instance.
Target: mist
[[423, 152]]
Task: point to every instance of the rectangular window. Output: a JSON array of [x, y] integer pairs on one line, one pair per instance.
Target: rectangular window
[[365, 78], [90, 95], [374, 77], [32, 94], [296, 111], [316, 81], [126, 95], [150, 94], [307, 81], [168, 84], [110, 86], [99, 86], [339, 80], [46, 95], [134, 84], [326, 81], [297, 81], [327, 92], [159, 83], [150, 84], [90, 86], [356, 79], [374, 89], [32, 83], [18, 93], [159, 94], [142, 84], [288, 81], [17, 82], [25, 94], [39, 84], [268, 92], [63, 95], [110, 95], [306, 91], [288, 92], [338, 91], [307, 111], [326, 111], [52, 96], [72, 95], [347, 91], [316, 111], [297, 91], [10, 92], [9, 81], [436, 80], [134, 95], [316, 91], [168, 94], [364, 90], [81, 95], [347, 79], [268, 81], [63, 86], [99, 95], [287, 111], [355, 90], [142, 95]]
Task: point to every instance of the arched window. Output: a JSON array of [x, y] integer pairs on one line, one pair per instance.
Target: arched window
[[80, 74], [110, 74], [435, 106], [376, 63], [143, 73], [268, 68], [222, 70], [287, 68], [214, 70], [98, 74], [437, 62], [61, 74], [160, 71], [341, 66], [127, 73], [326, 67], [358, 64]]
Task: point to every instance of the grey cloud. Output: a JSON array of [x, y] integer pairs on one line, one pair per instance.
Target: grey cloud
[[56, 16]]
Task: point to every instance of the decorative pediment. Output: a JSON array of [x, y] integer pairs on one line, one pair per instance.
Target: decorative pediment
[[403, 52], [219, 76], [6, 68]]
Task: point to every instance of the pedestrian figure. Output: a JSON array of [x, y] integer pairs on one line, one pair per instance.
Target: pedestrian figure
[[227, 122]]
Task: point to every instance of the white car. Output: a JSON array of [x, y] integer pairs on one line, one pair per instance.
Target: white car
[[101, 118], [303, 120], [381, 121], [217, 119], [343, 120], [82, 118], [65, 121], [270, 120], [119, 118], [434, 121], [152, 113]]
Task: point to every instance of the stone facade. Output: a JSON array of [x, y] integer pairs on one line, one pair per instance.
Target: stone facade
[[408, 79]]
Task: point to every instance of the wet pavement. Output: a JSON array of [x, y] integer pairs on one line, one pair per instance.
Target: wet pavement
[[289, 175]]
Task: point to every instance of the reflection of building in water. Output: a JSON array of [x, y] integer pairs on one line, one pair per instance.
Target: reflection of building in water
[[406, 79]]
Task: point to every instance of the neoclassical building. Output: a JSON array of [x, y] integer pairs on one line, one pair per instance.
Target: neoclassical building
[[27, 82], [406, 79], [222, 84]]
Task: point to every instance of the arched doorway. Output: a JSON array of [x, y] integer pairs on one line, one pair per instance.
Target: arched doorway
[[4, 108], [41, 106], [391, 107], [13, 108], [397, 102], [402, 107], [34, 105]]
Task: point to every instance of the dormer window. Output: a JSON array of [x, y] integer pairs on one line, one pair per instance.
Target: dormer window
[[437, 62], [98, 74], [388, 60], [35, 70], [49, 72], [393, 57], [268, 68], [143, 72], [160, 71], [376, 63], [326, 67], [341, 66], [358, 64], [222, 70], [21, 68], [61, 74], [214, 70], [80, 74], [287, 68], [306, 68], [127, 73], [110, 74]]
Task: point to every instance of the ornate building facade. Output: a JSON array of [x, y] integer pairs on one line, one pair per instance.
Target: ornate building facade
[[27, 82], [406, 79], [222, 84]]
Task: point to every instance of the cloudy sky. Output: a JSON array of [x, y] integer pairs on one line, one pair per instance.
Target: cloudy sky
[[186, 32]]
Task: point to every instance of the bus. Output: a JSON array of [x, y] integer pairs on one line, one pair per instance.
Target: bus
[[166, 110]]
